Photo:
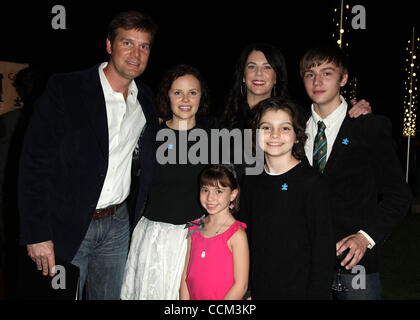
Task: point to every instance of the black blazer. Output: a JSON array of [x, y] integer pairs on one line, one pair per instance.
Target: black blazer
[[366, 183], [65, 159]]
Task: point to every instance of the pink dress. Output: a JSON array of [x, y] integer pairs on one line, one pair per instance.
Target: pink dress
[[210, 268]]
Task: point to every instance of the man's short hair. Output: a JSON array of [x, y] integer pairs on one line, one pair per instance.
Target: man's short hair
[[128, 20]]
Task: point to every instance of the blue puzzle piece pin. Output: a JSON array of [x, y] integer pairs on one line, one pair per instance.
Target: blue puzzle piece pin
[[284, 186], [345, 141]]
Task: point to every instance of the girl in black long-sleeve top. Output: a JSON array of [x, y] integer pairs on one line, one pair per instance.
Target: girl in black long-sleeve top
[[286, 208]]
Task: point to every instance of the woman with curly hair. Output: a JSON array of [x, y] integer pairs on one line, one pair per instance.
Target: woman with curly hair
[[158, 247]]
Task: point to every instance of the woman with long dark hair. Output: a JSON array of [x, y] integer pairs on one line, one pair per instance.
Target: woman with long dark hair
[[260, 74]]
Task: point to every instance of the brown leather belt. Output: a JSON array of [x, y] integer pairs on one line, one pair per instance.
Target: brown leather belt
[[106, 212]]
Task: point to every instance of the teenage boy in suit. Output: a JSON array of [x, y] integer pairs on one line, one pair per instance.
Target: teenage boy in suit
[[358, 160], [88, 131]]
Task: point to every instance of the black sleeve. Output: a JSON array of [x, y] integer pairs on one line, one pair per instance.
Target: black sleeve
[[394, 194], [245, 215], [320, 225], [245, 212], [40, 150]]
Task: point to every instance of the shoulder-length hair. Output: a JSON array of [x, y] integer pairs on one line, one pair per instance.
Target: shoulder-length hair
[[162, 98], [235, 106], [296, 115]]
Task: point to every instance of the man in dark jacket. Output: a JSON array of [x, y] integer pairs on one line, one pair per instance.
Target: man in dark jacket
[[89, 129]]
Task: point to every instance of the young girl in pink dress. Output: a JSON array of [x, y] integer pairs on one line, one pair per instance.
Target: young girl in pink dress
[[217, 262]]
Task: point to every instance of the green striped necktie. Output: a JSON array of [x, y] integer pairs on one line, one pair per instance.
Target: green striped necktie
[[320, 148]]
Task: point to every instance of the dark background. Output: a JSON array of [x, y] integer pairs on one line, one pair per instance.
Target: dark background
[[211, 34]]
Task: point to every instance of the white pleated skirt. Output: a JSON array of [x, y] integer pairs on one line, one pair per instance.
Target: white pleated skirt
[[155, 261]]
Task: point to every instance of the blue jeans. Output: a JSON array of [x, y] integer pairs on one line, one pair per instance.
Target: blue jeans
[[102, 256], [367, 288]]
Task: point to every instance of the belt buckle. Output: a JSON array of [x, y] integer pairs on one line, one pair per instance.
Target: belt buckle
[[106, 212], [102, 213]]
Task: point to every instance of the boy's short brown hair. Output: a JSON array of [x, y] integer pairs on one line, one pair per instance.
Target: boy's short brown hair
[[324, 53]]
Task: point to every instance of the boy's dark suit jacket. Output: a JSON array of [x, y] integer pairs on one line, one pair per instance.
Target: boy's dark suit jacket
[[366, 183], [65, 159]]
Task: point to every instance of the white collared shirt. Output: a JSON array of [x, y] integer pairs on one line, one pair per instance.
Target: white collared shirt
[[333, 124], [125, 123]]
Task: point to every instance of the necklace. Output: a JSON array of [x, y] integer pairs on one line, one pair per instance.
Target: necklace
[[203, 253]]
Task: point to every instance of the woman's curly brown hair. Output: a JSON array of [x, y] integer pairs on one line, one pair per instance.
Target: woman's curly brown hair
[[163, 103]]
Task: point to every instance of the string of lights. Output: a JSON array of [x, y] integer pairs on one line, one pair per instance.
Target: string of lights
[[410, 94], [410, 86], [341, 22]]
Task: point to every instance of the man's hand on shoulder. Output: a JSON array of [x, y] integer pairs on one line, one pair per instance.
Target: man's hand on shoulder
[[359, 108]]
